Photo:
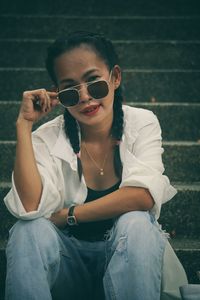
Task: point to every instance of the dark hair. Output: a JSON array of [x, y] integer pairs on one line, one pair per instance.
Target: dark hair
[[104, 49]]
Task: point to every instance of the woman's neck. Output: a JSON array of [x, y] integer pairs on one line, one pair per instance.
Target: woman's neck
[[99, 133]]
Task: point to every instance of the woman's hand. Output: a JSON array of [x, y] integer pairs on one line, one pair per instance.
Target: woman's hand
[[59, 218], [36, 104]]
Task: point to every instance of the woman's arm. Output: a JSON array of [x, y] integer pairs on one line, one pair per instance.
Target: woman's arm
[[112, 205], [26, 176], [35, 105]]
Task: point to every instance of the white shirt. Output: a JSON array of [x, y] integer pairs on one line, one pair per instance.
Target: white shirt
[[141, 155]]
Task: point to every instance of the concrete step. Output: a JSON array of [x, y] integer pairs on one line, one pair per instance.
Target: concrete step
[[179, 217], [188, 251], [181, 160], [133, 54], [180, 164], [141, 85], [103, 7], [183, 117], [115, 27]]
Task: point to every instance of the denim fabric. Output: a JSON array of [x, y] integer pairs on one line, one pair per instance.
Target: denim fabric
[[134, 258], [45, 263]]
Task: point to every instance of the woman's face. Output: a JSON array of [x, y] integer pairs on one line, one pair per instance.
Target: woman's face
[[81, 65]]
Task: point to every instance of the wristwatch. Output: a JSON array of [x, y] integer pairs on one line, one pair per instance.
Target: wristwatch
[[71, 219]]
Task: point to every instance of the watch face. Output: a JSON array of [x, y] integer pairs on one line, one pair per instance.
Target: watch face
[[71, 220]]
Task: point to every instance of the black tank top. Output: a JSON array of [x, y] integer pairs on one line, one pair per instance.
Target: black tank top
[[93, 231]]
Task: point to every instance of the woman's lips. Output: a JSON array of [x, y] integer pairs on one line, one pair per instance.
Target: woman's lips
[[90, 110]]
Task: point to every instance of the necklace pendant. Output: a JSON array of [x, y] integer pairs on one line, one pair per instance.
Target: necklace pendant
[[101, 172]]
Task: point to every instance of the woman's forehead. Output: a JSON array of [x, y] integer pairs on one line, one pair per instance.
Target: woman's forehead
[[78, 61], [80, 56]]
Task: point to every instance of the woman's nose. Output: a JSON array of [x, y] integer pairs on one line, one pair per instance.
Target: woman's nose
[[84, 96]]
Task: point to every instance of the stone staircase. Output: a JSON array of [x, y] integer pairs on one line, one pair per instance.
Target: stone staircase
[[159, 47]]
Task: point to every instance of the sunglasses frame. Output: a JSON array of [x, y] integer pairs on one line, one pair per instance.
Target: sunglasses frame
[[74, 88]]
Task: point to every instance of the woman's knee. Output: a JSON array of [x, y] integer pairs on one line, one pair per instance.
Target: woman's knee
[[34, 246], [38, 231], [133, 222], [135, 232]]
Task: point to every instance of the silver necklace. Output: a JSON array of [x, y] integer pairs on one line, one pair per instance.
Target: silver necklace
[[101, 169]]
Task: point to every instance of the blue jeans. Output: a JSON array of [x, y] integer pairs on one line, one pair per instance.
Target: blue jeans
[[45, 263]]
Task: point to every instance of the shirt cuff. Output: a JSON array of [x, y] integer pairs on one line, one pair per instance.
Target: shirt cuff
[[48, 203]]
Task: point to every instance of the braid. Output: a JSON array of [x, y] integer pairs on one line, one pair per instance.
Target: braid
[[117, 129], [117, 125], [72, 132]]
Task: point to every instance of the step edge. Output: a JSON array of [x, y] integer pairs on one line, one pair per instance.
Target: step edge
[[109, 17], [164, 143], [114, 41]]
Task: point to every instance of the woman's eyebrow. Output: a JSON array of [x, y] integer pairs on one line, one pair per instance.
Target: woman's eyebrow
[[89, 72], [69, 81]]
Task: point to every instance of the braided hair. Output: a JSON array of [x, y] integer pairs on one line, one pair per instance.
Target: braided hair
[[104, 49]]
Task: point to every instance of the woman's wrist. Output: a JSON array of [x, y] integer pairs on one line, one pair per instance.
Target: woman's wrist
[[24, 124]]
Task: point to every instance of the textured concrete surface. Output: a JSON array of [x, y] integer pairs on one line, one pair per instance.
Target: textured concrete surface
[[162, 85], [155, 54], [139, 85], [137, 28], [181, 161], [182, 118], [191, 263], [180, 216], [103, 7]]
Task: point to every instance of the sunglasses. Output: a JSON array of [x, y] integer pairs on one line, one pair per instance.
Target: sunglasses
[[96, 89]]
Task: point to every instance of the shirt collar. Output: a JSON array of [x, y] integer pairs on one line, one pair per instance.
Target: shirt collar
[[63, 150]]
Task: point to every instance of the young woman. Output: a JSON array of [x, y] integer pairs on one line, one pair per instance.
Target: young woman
[[87, 186]]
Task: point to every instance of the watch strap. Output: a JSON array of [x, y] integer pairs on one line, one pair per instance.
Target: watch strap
[[71, 218], [71, 210]]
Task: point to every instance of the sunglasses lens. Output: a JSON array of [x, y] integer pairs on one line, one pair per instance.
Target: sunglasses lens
[[68, 97], [98, 89]]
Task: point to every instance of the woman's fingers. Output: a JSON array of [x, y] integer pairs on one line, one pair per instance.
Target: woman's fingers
[[53, 99], [45, 99], [48, 100], [42, 98], [37, 103]]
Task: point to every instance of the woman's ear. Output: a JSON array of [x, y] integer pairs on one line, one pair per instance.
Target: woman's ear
[[117, 76]]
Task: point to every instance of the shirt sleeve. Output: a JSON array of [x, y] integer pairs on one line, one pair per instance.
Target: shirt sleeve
[[51, 198], [143, 165]]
